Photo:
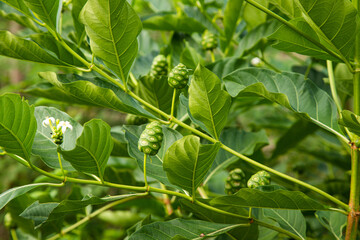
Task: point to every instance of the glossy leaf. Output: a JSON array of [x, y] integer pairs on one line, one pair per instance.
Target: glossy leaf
[[172, 22], [208, 103], [351, 121], [92, 149], [19, 5], [333, 221], [287, 7], [242, 142], [231, 15], [290, 220], [113, 29], [44, 145], [156, 91], [188, 229], [94, 91], [289, 90], [19, 48], [12, 193], [154, 164], [17, 125], [278, 199], [187, 161], [332, 24], [47, 11]]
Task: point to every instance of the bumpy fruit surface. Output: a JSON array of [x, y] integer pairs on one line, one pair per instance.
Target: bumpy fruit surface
[[135, 120], [159, 67], [209, 41], [179, 76], [235, 181], [151, 138], [259, 179]]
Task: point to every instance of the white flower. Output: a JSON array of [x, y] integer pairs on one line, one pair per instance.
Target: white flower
[[48, 121], [256, 61], [64, 125]]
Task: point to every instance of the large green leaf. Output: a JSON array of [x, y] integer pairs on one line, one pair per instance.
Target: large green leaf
[[208, 103], [278, 199], [17, 125], [80, 33], [113, 27], [240, 141], [172, 22], [187, 162], [48, 42], [330, 24], [22, 20], [231, 15], [290, 220], [47, 11], [187, 229], [190, 57], [350, 121], [12, 193], [92, 91], [154, 164], [44, 145], [92, 149], [19, 48], [254, 38], [19, 5], [156, 91], [289, 90], [333, 221]]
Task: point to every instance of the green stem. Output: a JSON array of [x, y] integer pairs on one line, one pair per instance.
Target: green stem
[[205, 136], [212, 56], [94, 214], [308, 69], [203, 11], [294, 28], [202, 192], [13, 234], [173, 104], [61, 167], [145, 179]]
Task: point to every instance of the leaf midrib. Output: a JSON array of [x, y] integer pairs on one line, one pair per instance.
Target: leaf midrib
[[94, 158], [297, 233], [194, 170]]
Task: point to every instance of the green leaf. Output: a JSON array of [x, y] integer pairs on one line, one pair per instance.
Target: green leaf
[[231, 15], [331, 23], [289, 90], [332, 221], [172, 22], [113, 28], [255, 38], [287, 7], [22, 20], [80, 33], [225, 66], [12, 193], [187, 161], [253, 16], [44, 145], [93, 91], [17, 125], [242, 142], [208, 103], [19, 5], [19, 48], [190, 229], [47, 11], [92, 149], [154, 164], [290, 220], [120, 143], [47, 41], [39, 213], [155, 91], [293, 136], [277, 199], [351, 121], [190, 57]]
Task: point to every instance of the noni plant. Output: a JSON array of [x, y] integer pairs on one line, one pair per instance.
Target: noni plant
[[132, 119]]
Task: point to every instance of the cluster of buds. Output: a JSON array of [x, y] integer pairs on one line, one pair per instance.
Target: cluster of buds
[[58, 128]]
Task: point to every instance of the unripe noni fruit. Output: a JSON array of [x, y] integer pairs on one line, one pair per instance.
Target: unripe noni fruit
[[159, 67], [235, 181], [209, 41], [151, 138], [260, 178], [135, 120], [179, 76]]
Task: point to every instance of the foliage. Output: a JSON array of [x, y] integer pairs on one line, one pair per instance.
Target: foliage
[[155, 114]]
